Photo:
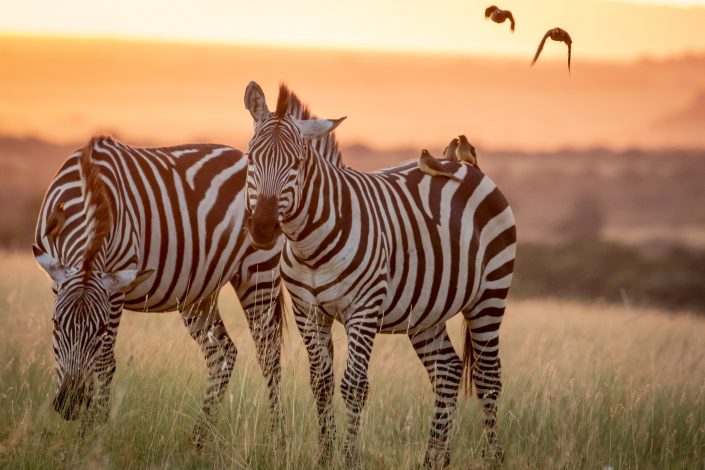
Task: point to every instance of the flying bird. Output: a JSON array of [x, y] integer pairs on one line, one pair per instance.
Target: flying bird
[[556, 34], [55, 222], [429, 165], [465, 151], [449, 152], [499, 16]]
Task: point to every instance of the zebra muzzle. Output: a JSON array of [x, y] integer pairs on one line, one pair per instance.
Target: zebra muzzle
[[71, 398], [263, 223]]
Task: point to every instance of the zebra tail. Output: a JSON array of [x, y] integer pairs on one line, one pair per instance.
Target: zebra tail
[[468, 360]]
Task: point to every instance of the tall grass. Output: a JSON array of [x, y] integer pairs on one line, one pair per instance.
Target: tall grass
[[586, 386]]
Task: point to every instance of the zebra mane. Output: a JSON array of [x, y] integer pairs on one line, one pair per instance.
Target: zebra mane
[[282, 100], [327, 146], [97, 209]]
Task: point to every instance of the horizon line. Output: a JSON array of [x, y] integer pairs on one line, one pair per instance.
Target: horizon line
[[306, 47]]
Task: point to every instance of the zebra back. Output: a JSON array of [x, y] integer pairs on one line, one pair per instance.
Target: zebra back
[[177, 209]]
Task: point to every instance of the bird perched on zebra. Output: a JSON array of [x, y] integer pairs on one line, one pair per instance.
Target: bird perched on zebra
[[382, 253], [152, 229], [499, 16], [556, 34], [465, 152], [449, 151], [55, 222], [429, 165]]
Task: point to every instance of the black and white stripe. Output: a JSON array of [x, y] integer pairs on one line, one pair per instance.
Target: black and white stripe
[[394, 252], [179, 211]]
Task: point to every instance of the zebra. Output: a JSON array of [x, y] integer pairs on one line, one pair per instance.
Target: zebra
[[153, 229], [395, 252]]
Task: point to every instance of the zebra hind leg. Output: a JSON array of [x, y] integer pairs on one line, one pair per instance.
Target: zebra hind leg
[[482, 362], [265, 317], [205, 326], [316, 333], [444, 368]]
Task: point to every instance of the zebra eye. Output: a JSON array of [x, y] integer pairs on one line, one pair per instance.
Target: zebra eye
[[297, 164], [56, 322]]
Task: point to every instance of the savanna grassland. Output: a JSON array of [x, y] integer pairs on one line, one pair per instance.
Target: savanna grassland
[[586, 386]]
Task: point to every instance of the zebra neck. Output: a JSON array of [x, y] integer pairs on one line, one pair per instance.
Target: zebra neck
[[314, 219], [121, 248]]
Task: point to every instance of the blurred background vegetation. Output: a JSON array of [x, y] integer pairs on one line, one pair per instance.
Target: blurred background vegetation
[[617, 226]]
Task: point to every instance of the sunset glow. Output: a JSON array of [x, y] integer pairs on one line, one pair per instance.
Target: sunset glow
[[600, 28], [167, 71]]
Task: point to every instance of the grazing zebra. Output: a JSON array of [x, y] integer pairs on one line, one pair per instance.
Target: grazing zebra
[[152, 229], [389, 252]]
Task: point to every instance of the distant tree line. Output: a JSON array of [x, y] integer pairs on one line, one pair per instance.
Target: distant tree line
[[584, 266], [594, 269]]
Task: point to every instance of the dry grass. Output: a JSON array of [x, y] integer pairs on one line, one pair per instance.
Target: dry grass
[[586, 386]]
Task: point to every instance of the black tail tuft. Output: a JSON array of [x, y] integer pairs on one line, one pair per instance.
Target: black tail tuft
[[468, 360]]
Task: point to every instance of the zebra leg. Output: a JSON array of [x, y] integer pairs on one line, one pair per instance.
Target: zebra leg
[[315, 331], [483, 338], [104, 372], [444, 368], [354, 386], [105, 364], [262, 304], [205, 326]]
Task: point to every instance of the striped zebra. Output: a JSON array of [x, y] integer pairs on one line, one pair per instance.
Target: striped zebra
[[395, 252], [152, 229]]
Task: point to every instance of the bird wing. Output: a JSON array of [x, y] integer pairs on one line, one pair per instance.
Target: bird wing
[[538, 51], [489, 10], [511, 18], [434, 164]]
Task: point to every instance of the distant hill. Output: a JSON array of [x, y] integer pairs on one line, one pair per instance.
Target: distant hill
[[636, 196], [686, 125]]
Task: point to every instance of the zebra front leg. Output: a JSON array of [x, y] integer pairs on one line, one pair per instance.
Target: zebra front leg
[[104, 372], [315, 331], [361, 330], [105, 365], [205, 326], [444, 368], [262, 304]]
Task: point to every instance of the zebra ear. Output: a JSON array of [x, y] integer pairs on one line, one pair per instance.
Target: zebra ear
[[255, 102], [312, 129], [53, 267], [125, 280]]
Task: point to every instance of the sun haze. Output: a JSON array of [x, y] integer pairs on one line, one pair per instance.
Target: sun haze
[[601, 29], [164, 72]]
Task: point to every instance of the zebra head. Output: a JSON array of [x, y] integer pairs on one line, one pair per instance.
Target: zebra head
[[81, 316], [275, 155]]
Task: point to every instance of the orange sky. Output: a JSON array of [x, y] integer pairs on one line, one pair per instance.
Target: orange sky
[[66, 90], [600, 28], [458, 73]]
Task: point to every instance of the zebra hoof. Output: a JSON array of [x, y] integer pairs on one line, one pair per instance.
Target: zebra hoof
[[352, 458], [326, 457], [277, 433], [198, 437], [493, 455], [436, 458]]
